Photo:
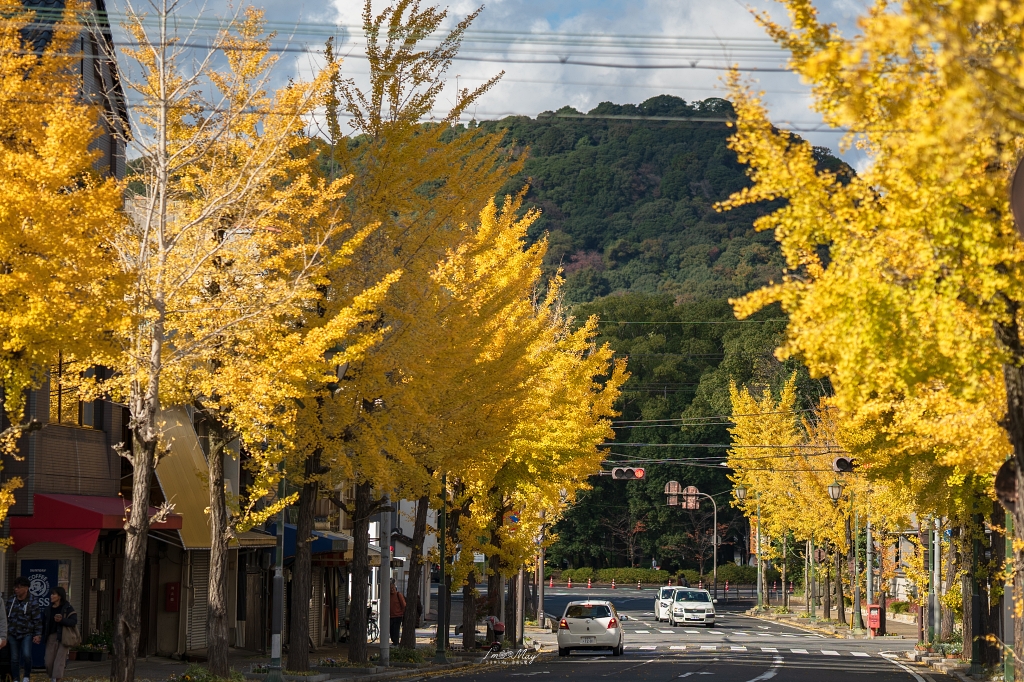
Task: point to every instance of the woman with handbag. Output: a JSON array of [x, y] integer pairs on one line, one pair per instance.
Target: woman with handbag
[[60, 631]]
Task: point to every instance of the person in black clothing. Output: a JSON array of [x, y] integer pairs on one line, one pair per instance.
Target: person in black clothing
[[24, 628], [58, 615]]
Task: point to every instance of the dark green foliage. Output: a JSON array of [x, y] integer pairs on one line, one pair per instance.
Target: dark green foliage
[[629, 204]]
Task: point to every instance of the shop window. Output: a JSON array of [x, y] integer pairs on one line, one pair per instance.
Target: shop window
[[65, 407]]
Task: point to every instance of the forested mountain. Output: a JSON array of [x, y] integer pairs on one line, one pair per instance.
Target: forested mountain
[[627, 195], [627, 199]]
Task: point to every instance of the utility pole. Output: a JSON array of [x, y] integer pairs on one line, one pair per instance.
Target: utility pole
[[870, 566], [931, 584], [814, 587], [936, 581], [520, 606], [760, 578], [540, 573], [277, 608], [442, 594], [384, 583], [858, 625]]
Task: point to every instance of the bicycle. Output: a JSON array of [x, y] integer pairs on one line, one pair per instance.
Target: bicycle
[[372, 628]]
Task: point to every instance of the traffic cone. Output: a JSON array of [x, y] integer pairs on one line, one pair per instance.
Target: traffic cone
[[700, 584], [588, 583], [551, 581], [726, 585], [570, 582], [613, 583], [638, 585], [791, 587]]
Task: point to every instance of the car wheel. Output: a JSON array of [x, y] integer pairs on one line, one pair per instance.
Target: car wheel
[[563, 652], [617, 651]]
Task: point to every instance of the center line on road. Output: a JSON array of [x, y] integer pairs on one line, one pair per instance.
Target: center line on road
[[709, 647], [863, 654], [799, 651], [829, 652], [770, 649], [691, 632], [738, 648], [678, 647], [667, 632]]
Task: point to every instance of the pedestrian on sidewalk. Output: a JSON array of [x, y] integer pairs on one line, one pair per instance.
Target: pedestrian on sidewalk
[[60, 614], [397, 613], [24, 628]]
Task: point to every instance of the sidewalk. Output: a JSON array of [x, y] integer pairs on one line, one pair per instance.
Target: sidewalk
[[159, 669]]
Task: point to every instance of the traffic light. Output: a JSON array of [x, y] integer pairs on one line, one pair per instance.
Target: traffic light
[[842, 465], [627, 473]]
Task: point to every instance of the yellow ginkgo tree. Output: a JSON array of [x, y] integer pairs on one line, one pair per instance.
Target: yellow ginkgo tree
[[57, 279], [915, 313]]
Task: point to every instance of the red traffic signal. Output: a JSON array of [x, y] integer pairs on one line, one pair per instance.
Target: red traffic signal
[[627, 473]]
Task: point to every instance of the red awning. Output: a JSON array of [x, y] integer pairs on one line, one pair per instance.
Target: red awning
[[75, 520]]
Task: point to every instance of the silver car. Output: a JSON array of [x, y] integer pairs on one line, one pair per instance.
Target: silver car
[[692, 606], [663, 603], [590, 625]]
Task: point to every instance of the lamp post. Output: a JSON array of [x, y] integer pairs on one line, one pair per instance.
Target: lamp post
[[741, 494], [277, 608], [810, 592], [692, 492]]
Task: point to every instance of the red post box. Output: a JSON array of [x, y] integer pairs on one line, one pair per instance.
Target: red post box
[[874, 616], [172, 597]]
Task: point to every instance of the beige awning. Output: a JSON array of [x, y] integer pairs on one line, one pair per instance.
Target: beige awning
[[181, 475], [253, 538]]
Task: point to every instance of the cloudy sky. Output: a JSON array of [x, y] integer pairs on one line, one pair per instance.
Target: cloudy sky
[[536, 43]]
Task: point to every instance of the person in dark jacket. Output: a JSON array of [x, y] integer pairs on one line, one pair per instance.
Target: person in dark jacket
[[24, 628], [58, 615]]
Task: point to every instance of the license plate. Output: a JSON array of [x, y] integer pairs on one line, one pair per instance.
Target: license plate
[[586, 640]]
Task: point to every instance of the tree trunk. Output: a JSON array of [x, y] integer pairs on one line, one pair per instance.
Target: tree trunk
[[469, 612], [1008, 334], [357, 652], [302, 571], [840, 598], [827, 592], [785, 549], [494, 569], [968, 615], [143, 457], [511, 622], [411, 619], [994, 613], [220, 534], [883, 594]]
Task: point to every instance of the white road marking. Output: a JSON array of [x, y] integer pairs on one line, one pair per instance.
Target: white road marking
[[862, 654], [738, 648], [799, 651], [642, 632], [678, 647], [648, 648], [770, 673], [709, 647], [691, 632], [789, 635], [667, 632], [770, 649], [917, 678], [886, 654], [829, 652]]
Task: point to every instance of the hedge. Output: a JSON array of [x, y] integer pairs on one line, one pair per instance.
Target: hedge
[[624, 576]]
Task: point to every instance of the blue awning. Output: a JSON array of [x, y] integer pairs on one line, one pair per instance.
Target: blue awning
[[326, 540]]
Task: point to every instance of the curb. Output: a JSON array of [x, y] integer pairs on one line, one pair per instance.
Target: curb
[[402, 673], [798, 626], [956, 668]]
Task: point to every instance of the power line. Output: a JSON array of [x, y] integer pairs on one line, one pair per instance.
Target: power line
[[773, 319]]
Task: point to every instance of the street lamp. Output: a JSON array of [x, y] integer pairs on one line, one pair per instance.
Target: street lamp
[[835, 491], [741, 493]]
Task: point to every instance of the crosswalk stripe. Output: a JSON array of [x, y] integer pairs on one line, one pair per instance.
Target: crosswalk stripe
[[799, 651], [770, 649], [829, 652], [738, 648], [648, 648], [886, 654], [862, 654], [709, 647], [667, 632], [690, 632], [642, 632], [678, 647]]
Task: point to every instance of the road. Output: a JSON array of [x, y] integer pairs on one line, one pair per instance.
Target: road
[[738, 649]]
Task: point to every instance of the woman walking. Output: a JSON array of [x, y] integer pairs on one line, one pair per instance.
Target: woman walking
[[59, 615]]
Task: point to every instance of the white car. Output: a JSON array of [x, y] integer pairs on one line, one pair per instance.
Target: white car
[[662, 603], [590, 625], [691, 606]]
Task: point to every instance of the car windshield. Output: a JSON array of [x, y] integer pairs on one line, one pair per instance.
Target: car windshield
[[666, 592], [588, 611], [692, 595]]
